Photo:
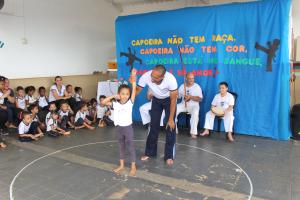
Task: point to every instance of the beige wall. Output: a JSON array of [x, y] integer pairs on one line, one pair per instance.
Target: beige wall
[[87, 82]]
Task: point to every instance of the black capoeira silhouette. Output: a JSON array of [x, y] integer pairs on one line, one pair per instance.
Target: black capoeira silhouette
[[131, 58], [271, 51]]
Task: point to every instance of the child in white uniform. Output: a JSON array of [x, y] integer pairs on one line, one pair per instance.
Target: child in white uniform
[[27, 132], [224, 100], [123, 121], [52, 128], [80, 119], [30, 98]]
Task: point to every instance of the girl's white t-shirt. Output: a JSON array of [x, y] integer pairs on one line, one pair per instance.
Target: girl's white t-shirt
[[122, 113]]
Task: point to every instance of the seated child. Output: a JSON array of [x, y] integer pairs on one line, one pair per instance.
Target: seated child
[[34, 110], [123, 121], [92, 111], [65, 116], [27, 131], [20, 103], [43, 103], [43, 100], [101, 110], [52, 107], [80, 119], [30, 98], [224, 100], [52, 129], [78, 94]]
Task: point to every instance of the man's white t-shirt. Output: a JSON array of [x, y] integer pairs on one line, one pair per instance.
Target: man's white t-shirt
[[162, 90], [122, 113], [60, 93], [194, 90], [223, 102]]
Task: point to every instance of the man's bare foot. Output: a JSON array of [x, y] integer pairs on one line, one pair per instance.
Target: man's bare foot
[[230, 137], [145, 158], [193, 136], [119, 169], [170, 162], [205, 133]]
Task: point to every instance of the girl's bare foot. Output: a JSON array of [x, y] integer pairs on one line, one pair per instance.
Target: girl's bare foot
[[132, 170], [119, 169], [205, 133]]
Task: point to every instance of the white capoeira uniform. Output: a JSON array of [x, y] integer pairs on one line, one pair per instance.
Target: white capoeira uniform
[[224, 103], [192, 107], [145, 114]]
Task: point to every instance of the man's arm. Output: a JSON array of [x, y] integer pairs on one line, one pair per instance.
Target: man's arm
[[173, 99]]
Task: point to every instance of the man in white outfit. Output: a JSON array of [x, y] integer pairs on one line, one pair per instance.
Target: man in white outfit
[[225, 101], [191, 96], [145, 110]]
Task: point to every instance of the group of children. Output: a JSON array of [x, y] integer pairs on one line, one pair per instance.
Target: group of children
[[35, 116]]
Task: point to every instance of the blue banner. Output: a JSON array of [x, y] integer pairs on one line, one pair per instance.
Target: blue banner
[[244, 44]]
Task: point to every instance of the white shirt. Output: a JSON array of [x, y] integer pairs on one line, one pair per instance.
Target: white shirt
[[35, 119], [60, 93], [162, 90], [78, 97], [194, 90], [62, 113], [21, 102], [122, 113], [23, 128], [48, 116], [30, 99], [51, 122], [223, 102], [101, 111], [42, 101], [80, 114], [1, 100]]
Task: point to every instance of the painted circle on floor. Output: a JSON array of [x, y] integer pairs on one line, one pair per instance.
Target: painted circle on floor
[[238, 168]]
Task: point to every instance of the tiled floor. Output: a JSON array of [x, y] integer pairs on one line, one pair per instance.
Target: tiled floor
[[203, 169]]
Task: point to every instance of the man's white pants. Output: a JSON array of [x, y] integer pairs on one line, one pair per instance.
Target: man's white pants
[[194, 112], [228, 121], [145, 114]]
